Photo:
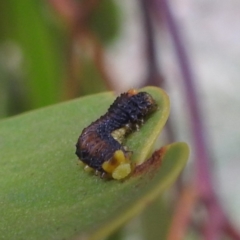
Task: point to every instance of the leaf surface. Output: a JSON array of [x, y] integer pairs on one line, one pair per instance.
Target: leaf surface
[[45, 194]]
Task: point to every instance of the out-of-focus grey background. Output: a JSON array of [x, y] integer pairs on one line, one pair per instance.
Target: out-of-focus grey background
[[211, 32]]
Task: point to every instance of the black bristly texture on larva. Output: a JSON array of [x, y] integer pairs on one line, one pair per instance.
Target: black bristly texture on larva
[[96, 144]]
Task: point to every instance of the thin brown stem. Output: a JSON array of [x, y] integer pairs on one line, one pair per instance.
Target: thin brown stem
[[182, 214], [99, 59], [153, 75], [202, 159], [76, 15]]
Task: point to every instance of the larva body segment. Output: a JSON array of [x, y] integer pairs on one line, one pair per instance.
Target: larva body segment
[[100, 144]]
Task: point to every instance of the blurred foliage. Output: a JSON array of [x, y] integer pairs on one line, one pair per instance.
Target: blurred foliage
[[42, 66], [105, 21], [91, 80], [37, 44]]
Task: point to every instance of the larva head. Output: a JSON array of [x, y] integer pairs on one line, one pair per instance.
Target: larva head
[[145, 104]]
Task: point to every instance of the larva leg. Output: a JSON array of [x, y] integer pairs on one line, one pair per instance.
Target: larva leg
[[137, 127], [88, 169]]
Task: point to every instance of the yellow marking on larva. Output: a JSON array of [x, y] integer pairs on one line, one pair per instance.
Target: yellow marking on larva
[[118, 166], [119, 134], [122, 171], [132, 92]]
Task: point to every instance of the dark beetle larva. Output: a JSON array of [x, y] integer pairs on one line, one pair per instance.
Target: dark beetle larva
[[100, 144]]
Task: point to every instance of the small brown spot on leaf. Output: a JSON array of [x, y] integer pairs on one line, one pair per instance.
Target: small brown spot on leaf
[[151, 164]]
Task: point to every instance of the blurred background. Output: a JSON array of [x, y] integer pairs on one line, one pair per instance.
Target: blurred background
[[55, 50]]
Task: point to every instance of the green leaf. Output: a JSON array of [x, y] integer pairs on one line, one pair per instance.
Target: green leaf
[[105, 21], [28, 28], [45, 194]]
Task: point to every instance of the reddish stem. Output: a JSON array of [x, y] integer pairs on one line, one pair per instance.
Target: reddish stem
[[202, 158], [154, 77]]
